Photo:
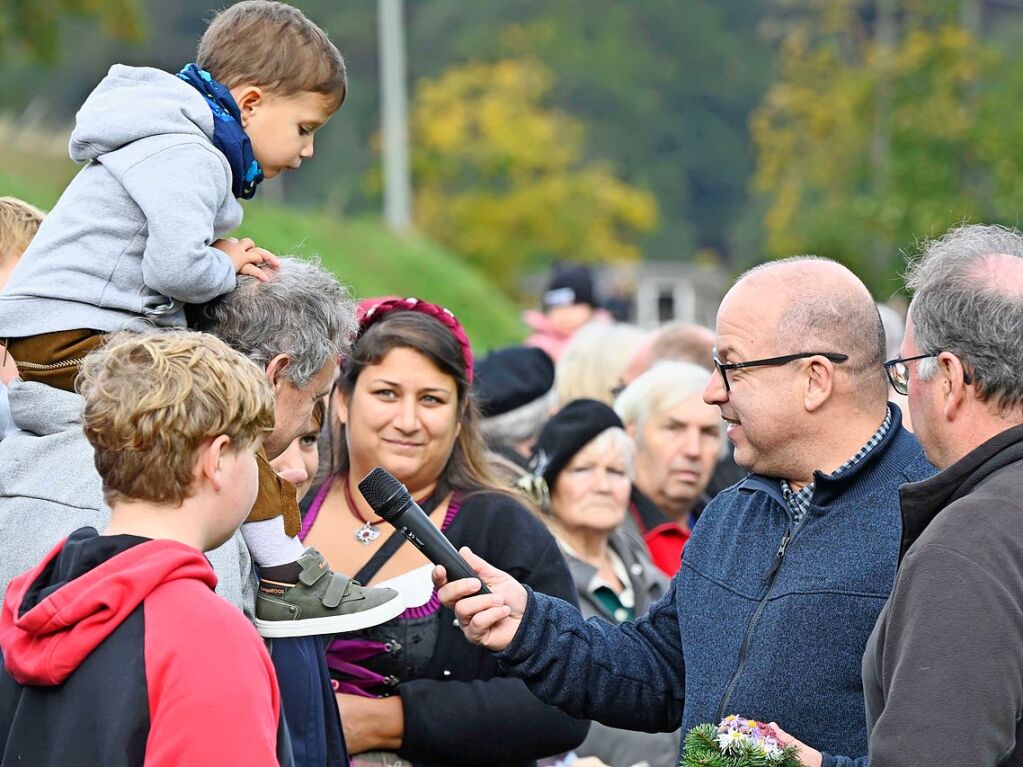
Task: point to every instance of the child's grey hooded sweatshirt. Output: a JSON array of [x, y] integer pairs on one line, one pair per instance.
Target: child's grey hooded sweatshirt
[[128, 243]]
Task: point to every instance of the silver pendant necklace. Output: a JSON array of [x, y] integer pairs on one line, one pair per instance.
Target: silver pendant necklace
[[366, 534]]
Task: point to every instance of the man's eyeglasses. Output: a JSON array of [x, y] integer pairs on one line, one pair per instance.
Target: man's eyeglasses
[[770, 362], [898, 372]]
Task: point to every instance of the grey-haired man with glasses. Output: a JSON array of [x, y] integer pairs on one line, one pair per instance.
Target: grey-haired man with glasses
[[785, 573], [945, 662]]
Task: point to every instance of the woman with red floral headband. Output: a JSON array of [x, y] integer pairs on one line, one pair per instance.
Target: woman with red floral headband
[[413, 691]]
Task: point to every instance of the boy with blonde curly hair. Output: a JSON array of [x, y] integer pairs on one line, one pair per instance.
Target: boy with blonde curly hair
[[19, 222], [116, 649]]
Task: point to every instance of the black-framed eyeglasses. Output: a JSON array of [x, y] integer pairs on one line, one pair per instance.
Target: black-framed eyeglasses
[[898, 372], [723, 367]]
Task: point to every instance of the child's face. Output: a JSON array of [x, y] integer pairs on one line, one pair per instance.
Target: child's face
[[281, 128], [240, 475], [299, 462]]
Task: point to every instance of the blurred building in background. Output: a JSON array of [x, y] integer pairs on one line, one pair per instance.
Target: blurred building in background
[[649, 293]]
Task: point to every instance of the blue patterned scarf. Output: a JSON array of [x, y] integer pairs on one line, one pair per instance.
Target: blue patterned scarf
[[228, 135]]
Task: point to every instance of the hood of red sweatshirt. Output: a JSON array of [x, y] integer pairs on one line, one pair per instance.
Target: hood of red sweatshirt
[[46, 644]]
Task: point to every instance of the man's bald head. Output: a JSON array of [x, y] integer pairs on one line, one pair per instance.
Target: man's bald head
[[821, 306]]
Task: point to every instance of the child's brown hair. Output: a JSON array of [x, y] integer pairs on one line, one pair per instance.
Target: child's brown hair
[[152, 399], [274, 46]]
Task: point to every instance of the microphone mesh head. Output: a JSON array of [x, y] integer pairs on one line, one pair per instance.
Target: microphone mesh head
[[383, 492]]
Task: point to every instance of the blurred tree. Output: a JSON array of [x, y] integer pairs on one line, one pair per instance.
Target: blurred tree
[[499, 176], [999, 140], [875, 133], [665, 89], [34, 25]]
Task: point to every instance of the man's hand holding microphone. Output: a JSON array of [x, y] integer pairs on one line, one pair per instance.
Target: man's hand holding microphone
[[488, 606], [489, 620]]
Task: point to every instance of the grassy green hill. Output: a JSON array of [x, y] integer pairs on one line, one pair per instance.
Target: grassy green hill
[[360, 251]]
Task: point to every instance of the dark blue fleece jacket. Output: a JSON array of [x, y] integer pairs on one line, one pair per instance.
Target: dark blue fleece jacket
[[749, 625]]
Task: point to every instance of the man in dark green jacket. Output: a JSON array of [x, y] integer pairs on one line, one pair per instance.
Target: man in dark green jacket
[[943, 671]]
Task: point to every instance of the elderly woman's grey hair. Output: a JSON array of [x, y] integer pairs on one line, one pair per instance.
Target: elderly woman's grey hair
[[521, 425], [613, 438], [960, 307], [302, 311], [661, 388]]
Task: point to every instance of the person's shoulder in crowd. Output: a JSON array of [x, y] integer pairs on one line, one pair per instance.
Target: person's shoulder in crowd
[[48, 481], [122, 599], [905, 457], [500, 522], [984, 520]]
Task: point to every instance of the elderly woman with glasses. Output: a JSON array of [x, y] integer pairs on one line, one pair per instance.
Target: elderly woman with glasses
[[582, 468]]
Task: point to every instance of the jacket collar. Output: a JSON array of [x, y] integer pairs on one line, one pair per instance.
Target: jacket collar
[[922, 501], [641, 578], [649, 515], [827, 487]]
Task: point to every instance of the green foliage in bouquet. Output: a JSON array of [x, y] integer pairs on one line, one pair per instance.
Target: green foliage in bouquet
[[707, 745]]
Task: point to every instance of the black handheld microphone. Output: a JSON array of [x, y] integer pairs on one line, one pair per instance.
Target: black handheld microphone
[[392, 501]]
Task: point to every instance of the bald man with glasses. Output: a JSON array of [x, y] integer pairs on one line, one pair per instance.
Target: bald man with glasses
[[785, 573]]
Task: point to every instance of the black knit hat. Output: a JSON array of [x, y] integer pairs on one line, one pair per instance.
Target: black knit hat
[[570, 284], [567, 433], [511, 377]]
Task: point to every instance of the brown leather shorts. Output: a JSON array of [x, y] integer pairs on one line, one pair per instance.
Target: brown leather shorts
[[53, 358]]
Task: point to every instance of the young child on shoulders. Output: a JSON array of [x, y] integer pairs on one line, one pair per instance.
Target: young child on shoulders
[[140, 232], [115, 648]]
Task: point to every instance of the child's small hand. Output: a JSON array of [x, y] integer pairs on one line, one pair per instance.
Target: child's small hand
[[246, 257], [269, 259]]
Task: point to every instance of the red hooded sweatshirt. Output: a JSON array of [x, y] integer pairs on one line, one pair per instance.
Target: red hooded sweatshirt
[[116, 652]]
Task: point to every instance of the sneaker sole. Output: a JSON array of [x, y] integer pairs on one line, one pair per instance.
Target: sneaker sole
[[332, 624]]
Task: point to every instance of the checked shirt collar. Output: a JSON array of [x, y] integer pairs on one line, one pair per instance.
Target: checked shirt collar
[[798, 501]]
